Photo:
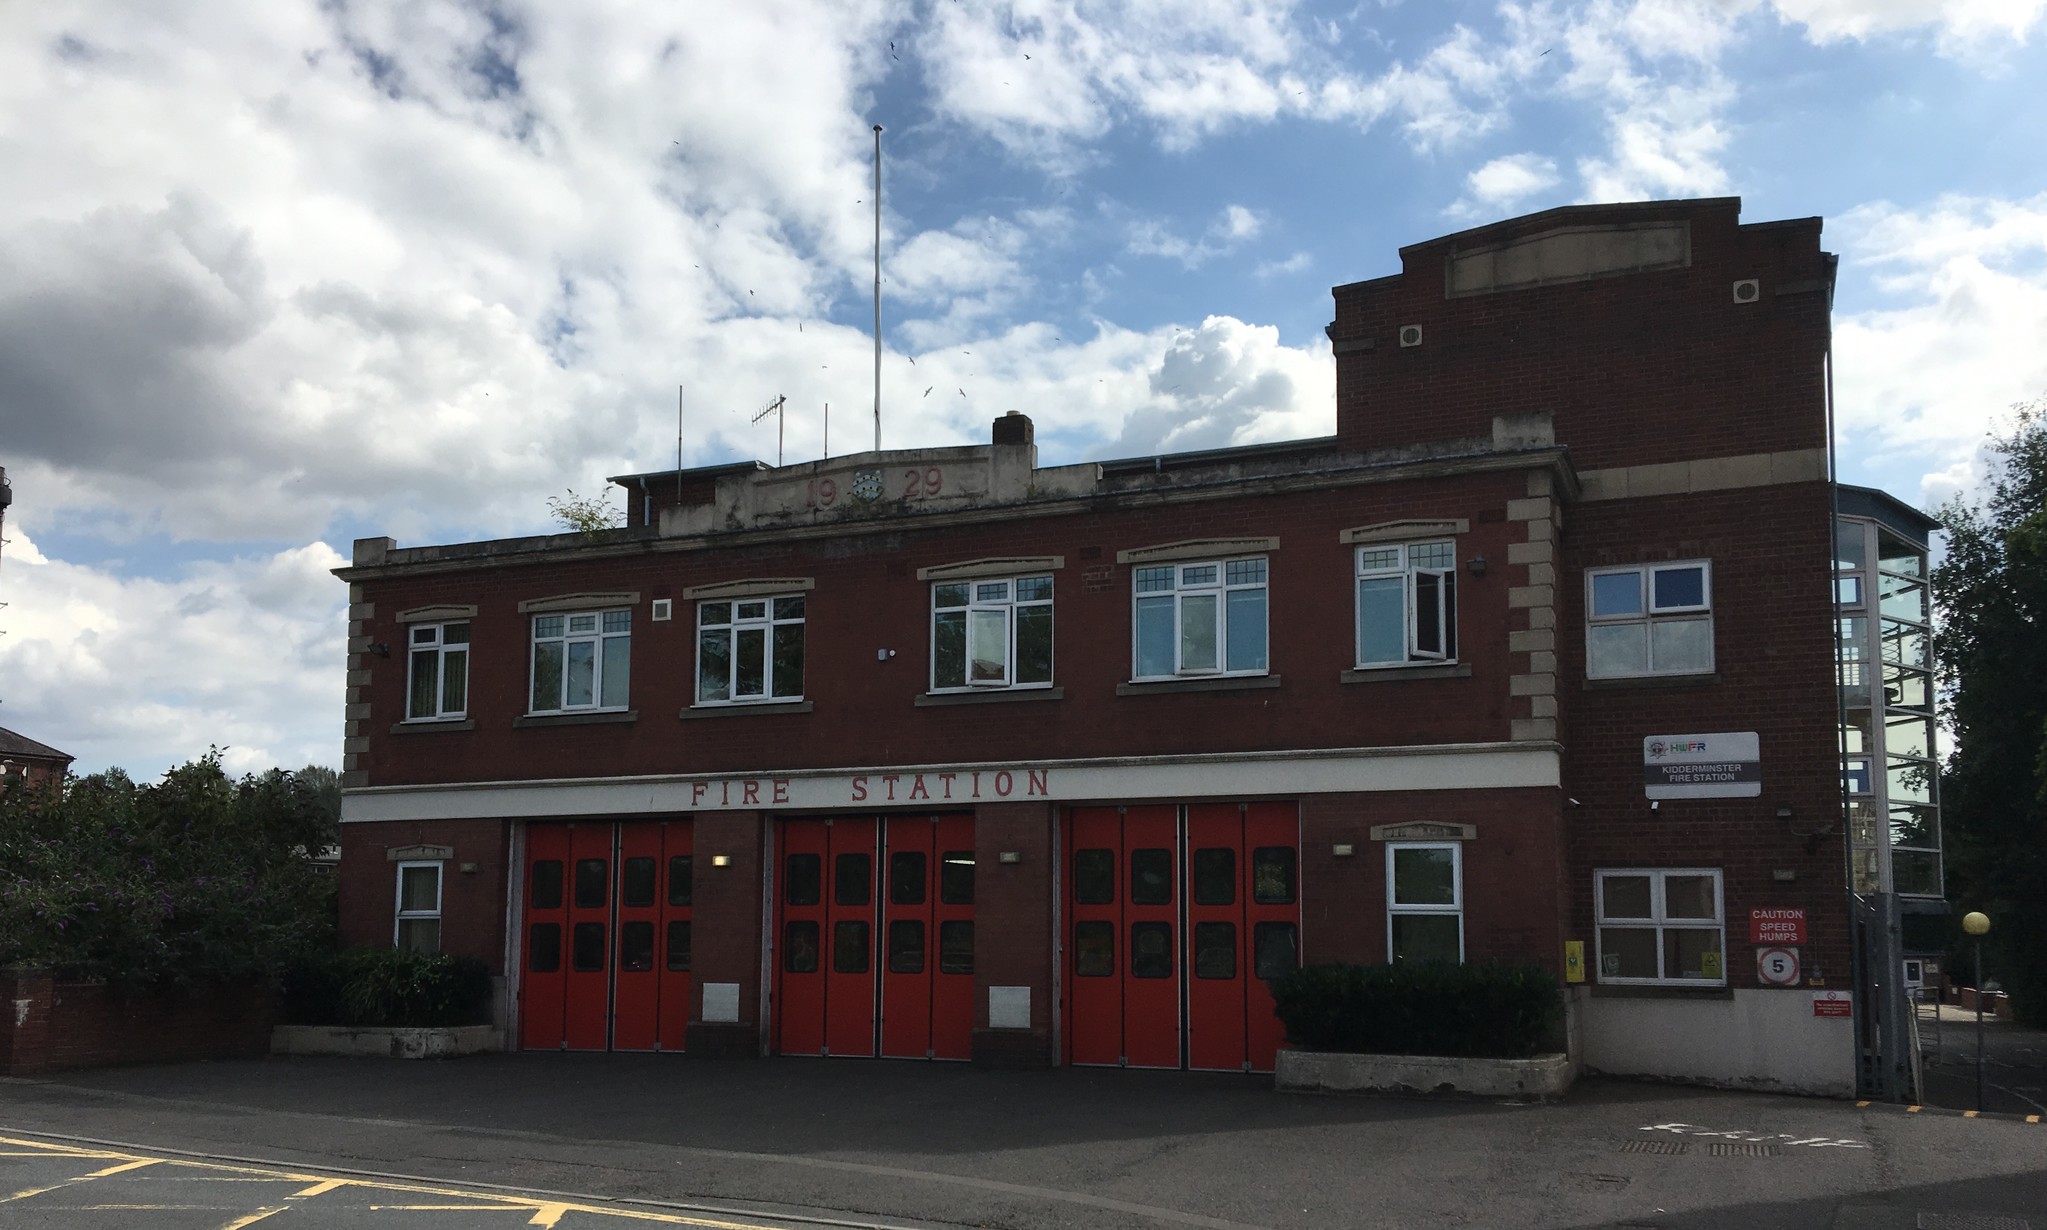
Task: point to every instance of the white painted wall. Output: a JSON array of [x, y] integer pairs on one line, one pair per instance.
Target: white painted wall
[[1760, 1039]]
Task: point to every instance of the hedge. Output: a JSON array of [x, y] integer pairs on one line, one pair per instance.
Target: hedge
[[1485, 1010], [388, 988]]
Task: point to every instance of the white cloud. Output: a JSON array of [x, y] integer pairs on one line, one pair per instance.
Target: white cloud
[[1228, 383], [147, 673], [1505, 182], [1234, 225], [1962, 24], [1925, 377]]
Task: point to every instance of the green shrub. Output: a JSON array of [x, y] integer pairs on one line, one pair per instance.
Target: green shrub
[[1488, 1010], [389, 988], [193, 880]]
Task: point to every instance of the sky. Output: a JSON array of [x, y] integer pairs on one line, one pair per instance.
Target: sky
[[278, 275]]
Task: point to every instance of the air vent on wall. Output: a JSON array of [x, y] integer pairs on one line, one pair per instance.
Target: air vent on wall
[[1410, 335], [1748, 290], [662, 609]]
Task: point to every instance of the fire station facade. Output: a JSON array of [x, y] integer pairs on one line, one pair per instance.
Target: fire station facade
[[943, 754]]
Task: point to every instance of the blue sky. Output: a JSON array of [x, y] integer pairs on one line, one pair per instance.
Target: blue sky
[[276, 276]]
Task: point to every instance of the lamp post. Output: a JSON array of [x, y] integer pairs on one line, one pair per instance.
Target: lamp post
[[1977, 924]]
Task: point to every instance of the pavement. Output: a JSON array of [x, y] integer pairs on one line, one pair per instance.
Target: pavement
[[917, 1144], [2014, 1063]]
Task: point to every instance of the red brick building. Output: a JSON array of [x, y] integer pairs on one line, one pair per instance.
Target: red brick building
[[25, 762], [941, 753]]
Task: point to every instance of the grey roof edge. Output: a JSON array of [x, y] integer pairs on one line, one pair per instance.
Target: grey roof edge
[[1888, 510], [12, 744]]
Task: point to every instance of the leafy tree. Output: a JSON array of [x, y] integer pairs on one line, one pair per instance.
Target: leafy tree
[[1991, 593], [193, 879], [584, 513]]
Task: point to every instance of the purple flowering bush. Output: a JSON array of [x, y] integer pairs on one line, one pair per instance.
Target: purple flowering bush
[[196, 878]]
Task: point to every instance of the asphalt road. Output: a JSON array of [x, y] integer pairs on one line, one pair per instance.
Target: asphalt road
[[934, 1143]]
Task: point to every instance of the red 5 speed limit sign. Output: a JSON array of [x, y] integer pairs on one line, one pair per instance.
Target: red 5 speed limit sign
[[1777, 967]]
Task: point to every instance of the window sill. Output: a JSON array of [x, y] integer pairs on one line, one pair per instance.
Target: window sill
[[1704, 680], [577, 719], [1606, 990], [748, 709], [990, 697], [1218, 683], [1395, 674], [430, 726]]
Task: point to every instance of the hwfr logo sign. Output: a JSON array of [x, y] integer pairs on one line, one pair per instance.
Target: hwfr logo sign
[[1716, 766]]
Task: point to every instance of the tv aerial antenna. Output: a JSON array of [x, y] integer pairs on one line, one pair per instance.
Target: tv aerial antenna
[[775, 408]]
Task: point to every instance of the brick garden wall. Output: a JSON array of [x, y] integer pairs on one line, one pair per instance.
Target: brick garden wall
[[47, 1025]]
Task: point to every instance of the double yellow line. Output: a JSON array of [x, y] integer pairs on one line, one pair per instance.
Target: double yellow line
[[546, 1212]]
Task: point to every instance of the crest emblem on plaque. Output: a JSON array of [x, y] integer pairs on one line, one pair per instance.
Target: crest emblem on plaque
[[867, 485]]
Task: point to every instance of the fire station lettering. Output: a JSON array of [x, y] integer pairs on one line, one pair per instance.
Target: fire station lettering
[[959, 785], [1712, 766]]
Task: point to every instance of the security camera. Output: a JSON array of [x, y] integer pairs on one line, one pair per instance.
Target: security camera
[[1654, 805], [1575, 803]]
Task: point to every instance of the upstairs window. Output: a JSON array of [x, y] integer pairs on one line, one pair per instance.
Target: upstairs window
[[581, 661], [1407, 604], [437, 672], [750, 650], [992, 633], [1199, 619], [1655, 619]]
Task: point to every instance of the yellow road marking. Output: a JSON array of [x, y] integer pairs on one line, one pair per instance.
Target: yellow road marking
[[2032, 1118], [1911, 1110], [546, 1213], [1971, 1114], [453, 1208], [137, 1165], [1860, 1105]]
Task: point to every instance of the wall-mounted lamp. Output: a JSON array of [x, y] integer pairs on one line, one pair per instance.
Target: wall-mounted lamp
[[381, 649], [1009, 856], [1475, 565], [721, 860], [1784, 813], [468, 869], [1342, 849]]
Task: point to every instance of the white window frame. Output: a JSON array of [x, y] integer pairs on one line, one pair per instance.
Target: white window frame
[[432, 641], [1659, 906], [400, 915], [606, 641], [1222, 587], [1413, 578], [1394, 907], [1652, 615], [763, 620], [981, 602]]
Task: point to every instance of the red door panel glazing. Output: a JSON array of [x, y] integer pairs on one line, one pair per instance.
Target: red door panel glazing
[[543, 984], [1272, 912], [850, 940], [951, 955], [636, 990], [800, 930], [589, 938], [1151, 981], [1094, 924], [905, 959], [1216, 974], [678, 892]]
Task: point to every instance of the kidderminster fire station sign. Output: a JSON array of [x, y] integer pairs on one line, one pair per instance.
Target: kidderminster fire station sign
[[1717, 766]]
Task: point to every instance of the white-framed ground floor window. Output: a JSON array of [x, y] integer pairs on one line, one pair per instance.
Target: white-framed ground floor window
[[1661, 926], [417, 927], [1424, 901]]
